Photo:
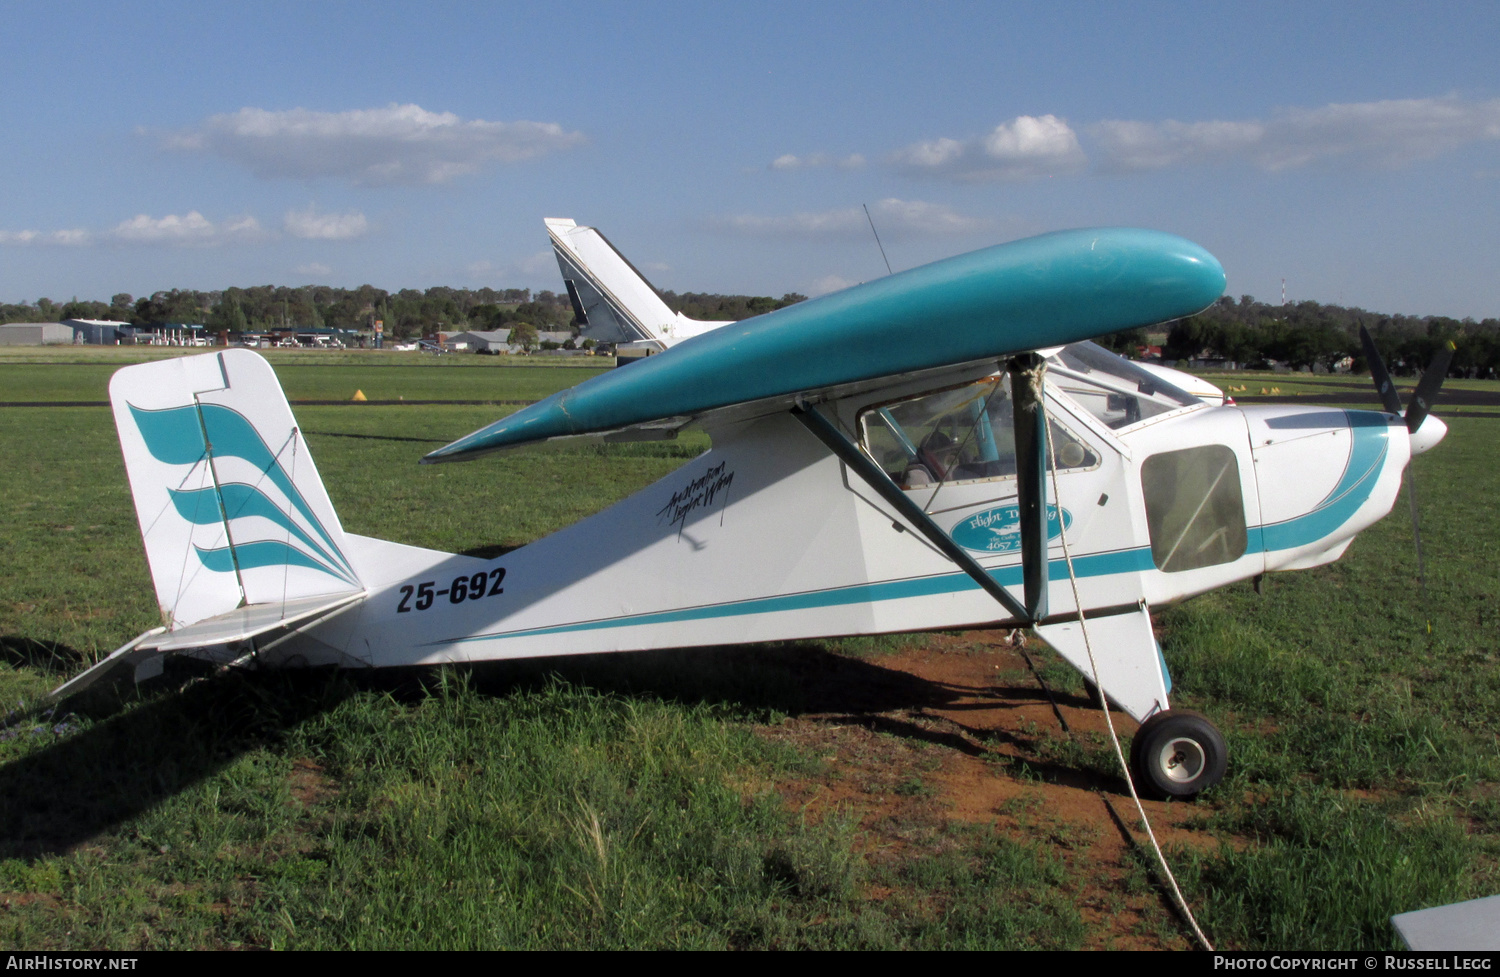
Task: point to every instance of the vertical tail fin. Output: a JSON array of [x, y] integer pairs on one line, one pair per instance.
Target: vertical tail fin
[[612, 300], [230, 505]]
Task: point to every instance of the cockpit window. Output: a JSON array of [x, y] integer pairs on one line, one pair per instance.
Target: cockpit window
[[1113, 389], [961, 434]]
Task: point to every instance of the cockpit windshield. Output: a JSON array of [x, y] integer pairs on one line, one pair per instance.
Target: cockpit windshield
[[1112, 388]]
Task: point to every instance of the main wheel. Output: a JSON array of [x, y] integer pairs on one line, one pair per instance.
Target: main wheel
[[1177, 754]]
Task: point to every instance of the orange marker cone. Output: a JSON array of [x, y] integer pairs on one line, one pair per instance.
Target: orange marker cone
[[359, 395]]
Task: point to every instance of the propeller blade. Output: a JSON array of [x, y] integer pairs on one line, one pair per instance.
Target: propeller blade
[[1426, 393], [1383, 384]]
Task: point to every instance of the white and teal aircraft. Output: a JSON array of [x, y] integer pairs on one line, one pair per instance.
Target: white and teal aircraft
[[894, 457]]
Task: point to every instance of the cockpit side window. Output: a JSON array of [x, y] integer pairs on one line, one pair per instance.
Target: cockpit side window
[[961, 434]]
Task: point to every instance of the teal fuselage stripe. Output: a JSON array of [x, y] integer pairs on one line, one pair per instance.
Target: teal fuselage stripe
[[1097, 564], [1367, 455]]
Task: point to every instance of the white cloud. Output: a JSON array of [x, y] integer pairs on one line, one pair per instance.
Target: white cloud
[[894, 219], [188, 230], [540, 263], [398, 144], [68, 238], [1387, 133], [1147, 145], [934, 154], [191, 228], [313, 269], [532, 266], [311, 225], [829, 283], [1027, 147], [789, 161], [1030, 146]]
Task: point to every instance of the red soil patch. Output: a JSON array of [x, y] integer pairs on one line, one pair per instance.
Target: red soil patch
[[984, 745]]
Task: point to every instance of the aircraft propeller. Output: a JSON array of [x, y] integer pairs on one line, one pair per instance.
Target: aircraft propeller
[[1415, 414]]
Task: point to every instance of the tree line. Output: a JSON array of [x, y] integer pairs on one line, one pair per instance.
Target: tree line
[[406, 313], [1315, 336], [1247, 332], [264, 308]]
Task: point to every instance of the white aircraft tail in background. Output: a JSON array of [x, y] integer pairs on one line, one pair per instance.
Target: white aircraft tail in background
[[611, 299]]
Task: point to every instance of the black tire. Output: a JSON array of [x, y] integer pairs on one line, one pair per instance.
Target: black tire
[[1177, 753]]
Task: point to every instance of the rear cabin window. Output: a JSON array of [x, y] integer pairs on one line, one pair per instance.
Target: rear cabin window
[[961, 434], [1194, 508]]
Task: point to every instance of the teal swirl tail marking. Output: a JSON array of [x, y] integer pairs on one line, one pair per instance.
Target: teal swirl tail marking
[[198, 507], [174, 436], [261, 553]]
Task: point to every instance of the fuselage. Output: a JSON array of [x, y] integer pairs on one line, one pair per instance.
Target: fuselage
[[765, 537]]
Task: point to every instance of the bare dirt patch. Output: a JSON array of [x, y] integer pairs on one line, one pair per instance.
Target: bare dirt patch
[[978, 741], [15, 900], [309, 784]]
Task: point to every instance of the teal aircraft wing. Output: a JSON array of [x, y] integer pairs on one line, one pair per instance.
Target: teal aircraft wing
[[1043, 291]]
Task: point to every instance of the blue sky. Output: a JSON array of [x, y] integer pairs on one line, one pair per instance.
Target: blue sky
[[1353, 149]]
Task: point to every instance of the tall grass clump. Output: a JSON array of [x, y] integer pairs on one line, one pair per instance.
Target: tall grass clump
[[1327, 872]]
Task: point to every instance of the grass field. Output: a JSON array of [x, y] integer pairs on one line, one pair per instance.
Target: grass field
[[696, 799], [81, 373]]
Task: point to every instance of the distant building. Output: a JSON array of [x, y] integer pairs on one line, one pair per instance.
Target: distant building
[[36, 334], [99, 332], [481, 341]]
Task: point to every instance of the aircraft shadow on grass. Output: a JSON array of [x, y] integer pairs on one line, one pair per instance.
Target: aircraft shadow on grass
[[93, 781]]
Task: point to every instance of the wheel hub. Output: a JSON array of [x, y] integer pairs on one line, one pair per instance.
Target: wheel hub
[[1182, 759]]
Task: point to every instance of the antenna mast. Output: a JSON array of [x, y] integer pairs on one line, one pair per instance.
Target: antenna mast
[[877, 239]]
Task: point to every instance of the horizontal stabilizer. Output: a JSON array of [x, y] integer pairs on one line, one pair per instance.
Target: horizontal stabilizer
[[252, 621], [130, 653], [223, 631]]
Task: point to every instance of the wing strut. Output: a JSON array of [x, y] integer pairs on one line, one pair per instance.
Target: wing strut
[[878, 480], [1031, 477]]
